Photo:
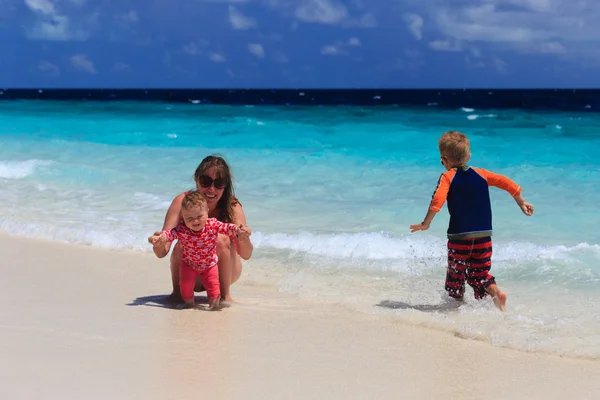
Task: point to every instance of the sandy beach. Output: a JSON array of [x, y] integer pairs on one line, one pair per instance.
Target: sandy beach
[[83, 322]]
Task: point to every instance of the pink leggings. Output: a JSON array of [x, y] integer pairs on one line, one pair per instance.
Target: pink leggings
[[187, 281]]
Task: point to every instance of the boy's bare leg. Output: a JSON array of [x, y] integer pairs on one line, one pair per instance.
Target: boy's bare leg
[[498, 296]]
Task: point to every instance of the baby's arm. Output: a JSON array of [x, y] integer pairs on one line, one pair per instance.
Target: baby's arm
[[159, 239], [230, 230], [504, 183], [438, 200]]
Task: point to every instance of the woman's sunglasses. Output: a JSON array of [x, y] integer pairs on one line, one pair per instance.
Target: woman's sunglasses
[[207, 181]]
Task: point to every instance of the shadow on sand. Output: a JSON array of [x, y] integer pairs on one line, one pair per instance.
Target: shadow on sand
[[446, 306], [164, 301]]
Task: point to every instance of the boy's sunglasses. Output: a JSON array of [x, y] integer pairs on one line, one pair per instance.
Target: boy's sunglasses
[[207, 181]]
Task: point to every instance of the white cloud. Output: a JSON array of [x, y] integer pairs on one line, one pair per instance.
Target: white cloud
[[257, 50], [340, 48], [121, 67], [191, 49], [42, 6], [555, 26], [321, 11], [82, 62], [414, 24], [50, 24], [331, 50], [552, 48], [499, 65], [216, 57], [368, 20], [130, 17], [478, 61], [354, 41], [565, 29], [239, 21], [195, 48], [49, 68], [446, 45], [281, 58]]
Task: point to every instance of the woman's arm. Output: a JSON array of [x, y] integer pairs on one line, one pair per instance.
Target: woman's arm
[[171, 221], [245, 247]]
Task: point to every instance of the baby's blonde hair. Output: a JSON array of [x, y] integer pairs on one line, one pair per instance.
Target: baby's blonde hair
[[194, 199], [455, 146]]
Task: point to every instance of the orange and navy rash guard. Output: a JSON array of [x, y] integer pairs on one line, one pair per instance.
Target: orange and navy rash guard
[[467, 191]]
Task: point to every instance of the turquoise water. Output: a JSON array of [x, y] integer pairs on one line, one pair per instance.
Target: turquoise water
[[330, 193]]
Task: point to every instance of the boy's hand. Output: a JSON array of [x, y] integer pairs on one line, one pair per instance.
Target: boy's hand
[[526, 208], [419, 227], [523, 205], [157, 239], [244, 232]]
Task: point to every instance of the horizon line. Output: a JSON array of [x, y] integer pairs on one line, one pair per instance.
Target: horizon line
[[5, 89]]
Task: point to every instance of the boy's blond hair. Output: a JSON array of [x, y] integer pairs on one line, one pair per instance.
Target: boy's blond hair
[[194, 199], [455, 146]]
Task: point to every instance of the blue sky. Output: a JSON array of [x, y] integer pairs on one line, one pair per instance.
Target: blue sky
[[299, 43]]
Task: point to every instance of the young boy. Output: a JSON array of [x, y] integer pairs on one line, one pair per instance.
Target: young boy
[[198, 236], [469, 234]]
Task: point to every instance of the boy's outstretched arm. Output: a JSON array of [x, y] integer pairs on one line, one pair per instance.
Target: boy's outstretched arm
[[523, 205], [423, 226], [437, 201], [507, 184]]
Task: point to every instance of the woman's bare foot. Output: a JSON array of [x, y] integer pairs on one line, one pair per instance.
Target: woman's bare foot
[[500, 301], [225, 304]]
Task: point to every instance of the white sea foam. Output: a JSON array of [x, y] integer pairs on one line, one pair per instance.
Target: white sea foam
[[20, 169], [380, 246]]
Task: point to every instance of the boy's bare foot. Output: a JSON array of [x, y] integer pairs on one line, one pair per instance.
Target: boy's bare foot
[[500, 301], [227, 298]]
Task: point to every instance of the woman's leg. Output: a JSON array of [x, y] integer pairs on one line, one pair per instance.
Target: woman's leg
[[175, 261], [230, 266]]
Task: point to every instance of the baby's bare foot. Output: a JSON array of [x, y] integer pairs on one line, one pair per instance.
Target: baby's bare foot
[[500, 301], [190, 304], [214, 304]]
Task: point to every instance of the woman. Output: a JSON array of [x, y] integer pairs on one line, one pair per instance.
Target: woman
[[213, 179]]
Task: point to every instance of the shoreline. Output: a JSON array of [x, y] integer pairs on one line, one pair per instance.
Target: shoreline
[[252, 277], [79, 319]]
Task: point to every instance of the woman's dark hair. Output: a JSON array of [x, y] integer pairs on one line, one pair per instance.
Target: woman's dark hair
[[228, 200]]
